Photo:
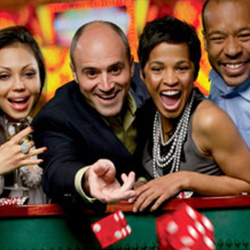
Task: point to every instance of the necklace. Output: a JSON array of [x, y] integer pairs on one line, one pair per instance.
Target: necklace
[[177, 139]]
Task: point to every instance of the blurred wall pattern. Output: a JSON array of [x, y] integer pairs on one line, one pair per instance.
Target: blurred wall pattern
[[54, 22]]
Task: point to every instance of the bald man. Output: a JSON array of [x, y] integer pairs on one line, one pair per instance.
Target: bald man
[[89, 127]]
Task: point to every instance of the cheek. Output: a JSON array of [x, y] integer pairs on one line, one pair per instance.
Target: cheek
[[153, 82], [35, 89], [214, 50]]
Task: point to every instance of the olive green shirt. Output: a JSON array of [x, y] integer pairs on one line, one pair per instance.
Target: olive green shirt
[[123, 127]]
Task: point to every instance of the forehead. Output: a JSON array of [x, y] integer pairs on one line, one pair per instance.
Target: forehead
[[170, 52], [99, 44], [227, 15], [19, 52]]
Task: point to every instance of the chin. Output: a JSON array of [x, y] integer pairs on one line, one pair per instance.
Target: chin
[[18, 116], [110, 112]]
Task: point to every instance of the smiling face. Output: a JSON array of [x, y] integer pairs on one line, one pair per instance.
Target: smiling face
[[19, 81], [102, 69], [169, 76], [227, 39]]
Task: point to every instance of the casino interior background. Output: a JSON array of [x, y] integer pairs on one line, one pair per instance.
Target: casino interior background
[[54, 22]]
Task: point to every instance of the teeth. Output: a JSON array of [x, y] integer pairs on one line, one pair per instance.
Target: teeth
[[170, 93], [18, 100], [108, 96], [233, 66]]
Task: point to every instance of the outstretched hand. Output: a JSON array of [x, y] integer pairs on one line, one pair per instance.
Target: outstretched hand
[[104, 186]]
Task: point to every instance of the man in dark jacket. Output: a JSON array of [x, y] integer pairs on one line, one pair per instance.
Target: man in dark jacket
[[89, 127]]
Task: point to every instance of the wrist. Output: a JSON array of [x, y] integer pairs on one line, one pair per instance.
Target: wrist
[[85, 183]]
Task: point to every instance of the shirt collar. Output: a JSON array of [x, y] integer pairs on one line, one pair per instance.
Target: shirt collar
[[243, 89], [130, 108]]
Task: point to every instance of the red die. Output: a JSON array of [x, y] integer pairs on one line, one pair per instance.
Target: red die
[[185, 228], [111, 229]]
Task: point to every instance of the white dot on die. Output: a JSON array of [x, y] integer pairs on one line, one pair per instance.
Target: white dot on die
[[191, 212], [209, 242], [187, 241], [128, 228], [121, 214], [192, 232], [172, 227], [116, 217], [124, 232], [118, 234], [207, 223], [200, 228], [97, 227]]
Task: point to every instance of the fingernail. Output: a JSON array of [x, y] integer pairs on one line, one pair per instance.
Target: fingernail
[[41, 161], [45, 149], [32, 127], [134, 209], [130, 200]]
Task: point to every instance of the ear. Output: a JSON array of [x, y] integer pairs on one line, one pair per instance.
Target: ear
[[204, 40], [142, 75], [73, 71], [132, 66]]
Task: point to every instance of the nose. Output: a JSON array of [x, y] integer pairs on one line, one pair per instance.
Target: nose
[[18, 84], [170, 77], [106, 85], [232, 47]]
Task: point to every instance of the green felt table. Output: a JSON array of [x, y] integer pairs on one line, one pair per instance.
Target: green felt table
[[48, 226]]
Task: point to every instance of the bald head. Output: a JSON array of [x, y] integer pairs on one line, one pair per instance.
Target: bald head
[[210, 3], [98, 31]]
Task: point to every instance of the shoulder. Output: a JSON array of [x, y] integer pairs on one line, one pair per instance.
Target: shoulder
[[66, 104], [212, 127], [208, 116]]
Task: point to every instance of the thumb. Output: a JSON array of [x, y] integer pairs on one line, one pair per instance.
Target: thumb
[[105, 169]]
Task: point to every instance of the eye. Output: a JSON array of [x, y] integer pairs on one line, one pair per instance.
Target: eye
[[115, 70], [91, 73], [156, 69], [244, 36], [30, 74], [217, 38], [4, 76], [183, 68]]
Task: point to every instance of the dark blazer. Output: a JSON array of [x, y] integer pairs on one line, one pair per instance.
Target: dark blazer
[[76, 136]]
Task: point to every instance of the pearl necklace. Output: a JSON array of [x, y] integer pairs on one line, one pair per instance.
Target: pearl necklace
[[177, 139]]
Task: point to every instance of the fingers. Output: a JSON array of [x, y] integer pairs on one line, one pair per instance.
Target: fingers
[[105, 169], [119, 195], [28, 161], [37, 151], [143, 200], [128, 181], [21, 135]]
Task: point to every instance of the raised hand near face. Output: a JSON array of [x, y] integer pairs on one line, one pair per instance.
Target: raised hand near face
[[13, 156]]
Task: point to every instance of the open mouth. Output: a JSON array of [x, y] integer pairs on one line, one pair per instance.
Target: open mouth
[[19, 104], [108, 97], [19, 100], [170, 98]]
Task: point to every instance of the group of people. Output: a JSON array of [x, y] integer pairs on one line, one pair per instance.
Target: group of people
[[127, 131]]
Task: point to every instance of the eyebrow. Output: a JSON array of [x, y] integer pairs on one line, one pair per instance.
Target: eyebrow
[[178, 62], [9, 68], [96, 68], [157, 62]]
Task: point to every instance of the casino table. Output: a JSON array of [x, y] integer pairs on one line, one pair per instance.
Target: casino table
[[50, 227]]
